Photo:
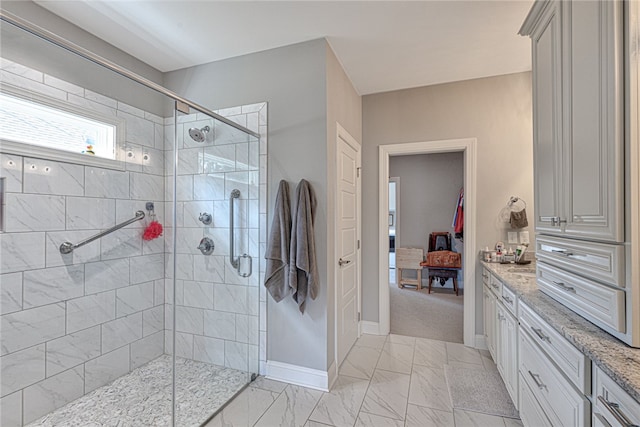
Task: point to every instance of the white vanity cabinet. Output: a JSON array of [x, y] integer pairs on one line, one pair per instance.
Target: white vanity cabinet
[[507, 352], [555, 377], [501, 331], [578, 112], [612, 406], [489, 312], [586, 157]]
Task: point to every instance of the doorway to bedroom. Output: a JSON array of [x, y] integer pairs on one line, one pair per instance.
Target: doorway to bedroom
[[424, 221]]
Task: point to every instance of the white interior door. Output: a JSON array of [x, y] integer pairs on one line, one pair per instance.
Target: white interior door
[[347, 250]]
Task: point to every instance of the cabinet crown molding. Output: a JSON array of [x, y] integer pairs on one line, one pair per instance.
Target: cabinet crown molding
[[534, 15]]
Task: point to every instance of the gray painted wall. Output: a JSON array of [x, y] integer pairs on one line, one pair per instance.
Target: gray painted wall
[[429, 186], [293, 81], [495, 110], [344, 106]]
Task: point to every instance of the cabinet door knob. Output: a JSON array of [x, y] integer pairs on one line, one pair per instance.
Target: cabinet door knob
[[342, 262]]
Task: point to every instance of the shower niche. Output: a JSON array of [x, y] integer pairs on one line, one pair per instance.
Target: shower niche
[[123, 320]]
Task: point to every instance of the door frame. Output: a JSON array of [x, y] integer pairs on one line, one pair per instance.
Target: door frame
[[341, 133], [468, 147]]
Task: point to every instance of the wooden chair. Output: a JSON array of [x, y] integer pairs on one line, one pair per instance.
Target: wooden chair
[[409, 259]]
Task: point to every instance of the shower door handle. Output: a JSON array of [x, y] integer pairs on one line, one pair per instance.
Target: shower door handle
[[235, 263]]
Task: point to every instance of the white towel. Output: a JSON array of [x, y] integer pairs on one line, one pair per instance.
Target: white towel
[[277, 252], [303, 271]]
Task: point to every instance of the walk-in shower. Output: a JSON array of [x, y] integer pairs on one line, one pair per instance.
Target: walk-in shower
[[102, 321]]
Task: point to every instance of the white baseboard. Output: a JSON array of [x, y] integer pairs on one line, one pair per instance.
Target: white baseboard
[[481, 343], [372, 328], [300, 375]]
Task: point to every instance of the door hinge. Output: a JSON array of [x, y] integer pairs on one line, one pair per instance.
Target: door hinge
[[358, 317], [358, 244], [358, 172]]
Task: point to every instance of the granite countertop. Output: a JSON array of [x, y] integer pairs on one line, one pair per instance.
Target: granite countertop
[[618, 360]]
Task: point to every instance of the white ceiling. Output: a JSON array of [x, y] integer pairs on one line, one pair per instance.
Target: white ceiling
[[382, 45]]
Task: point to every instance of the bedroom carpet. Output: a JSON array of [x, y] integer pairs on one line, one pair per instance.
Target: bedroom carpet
[[436, 316]]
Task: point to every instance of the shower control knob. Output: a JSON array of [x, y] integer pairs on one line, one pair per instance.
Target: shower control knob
[[205, 218], [206, 246]]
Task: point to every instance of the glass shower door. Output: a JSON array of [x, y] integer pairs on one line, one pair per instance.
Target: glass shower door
[[214, 315]]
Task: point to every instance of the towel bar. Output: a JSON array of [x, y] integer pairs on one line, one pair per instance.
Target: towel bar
[[68, 247]]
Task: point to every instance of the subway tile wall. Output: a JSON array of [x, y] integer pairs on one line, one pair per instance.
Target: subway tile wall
[[72, 323]]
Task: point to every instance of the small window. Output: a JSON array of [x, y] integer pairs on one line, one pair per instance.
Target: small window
[[33, 123]]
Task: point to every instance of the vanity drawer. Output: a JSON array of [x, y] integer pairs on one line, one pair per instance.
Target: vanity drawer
[[612, 403], [496, 286], [486, 276], [562, 404], [598, 303], [598, 261], [575, 365], [509, 300], [531, 413]]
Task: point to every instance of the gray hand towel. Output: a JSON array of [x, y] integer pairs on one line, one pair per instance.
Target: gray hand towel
[[303, 272], [519, 219], [277, 252]]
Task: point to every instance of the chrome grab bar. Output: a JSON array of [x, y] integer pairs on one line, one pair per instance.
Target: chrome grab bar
[[68, 247], [244, 268], [235, 262]]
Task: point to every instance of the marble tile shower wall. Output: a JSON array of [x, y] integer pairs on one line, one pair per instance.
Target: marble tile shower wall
[[217, 311], [72, 323]]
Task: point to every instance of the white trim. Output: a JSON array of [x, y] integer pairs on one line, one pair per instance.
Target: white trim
[[468, 147], [300, 375], [342, 134], [481, 342], [371, 328]]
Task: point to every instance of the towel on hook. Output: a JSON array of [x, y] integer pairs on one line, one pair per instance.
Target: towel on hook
[[277, 252], [303, 269], [518, 219]]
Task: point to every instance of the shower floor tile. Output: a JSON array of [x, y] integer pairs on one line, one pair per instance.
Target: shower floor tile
[[143, 397]]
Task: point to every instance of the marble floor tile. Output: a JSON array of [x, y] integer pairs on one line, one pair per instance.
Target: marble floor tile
[[418, 416], [430, 353], [372, 341], [387, 395], [370, 420], [512, 422], [314, 424], [401, 339], [396, 358], [429, 388], [270, 385], [476, 419], [465, 365], [460, 353], [291, 408], [245, 409], [488, 363], [340, 406], [360, 362]]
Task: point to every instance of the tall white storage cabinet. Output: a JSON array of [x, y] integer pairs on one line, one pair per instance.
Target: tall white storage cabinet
[[585, 117]]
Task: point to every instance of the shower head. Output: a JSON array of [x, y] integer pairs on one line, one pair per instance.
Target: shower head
[[199, 135]]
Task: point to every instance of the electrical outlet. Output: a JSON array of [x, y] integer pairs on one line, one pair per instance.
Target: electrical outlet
[[524, 237], [513, 236]]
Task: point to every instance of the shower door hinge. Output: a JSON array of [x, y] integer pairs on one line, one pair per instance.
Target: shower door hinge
[[358, 244], [358, 316], [358, 172], [182, 107]]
